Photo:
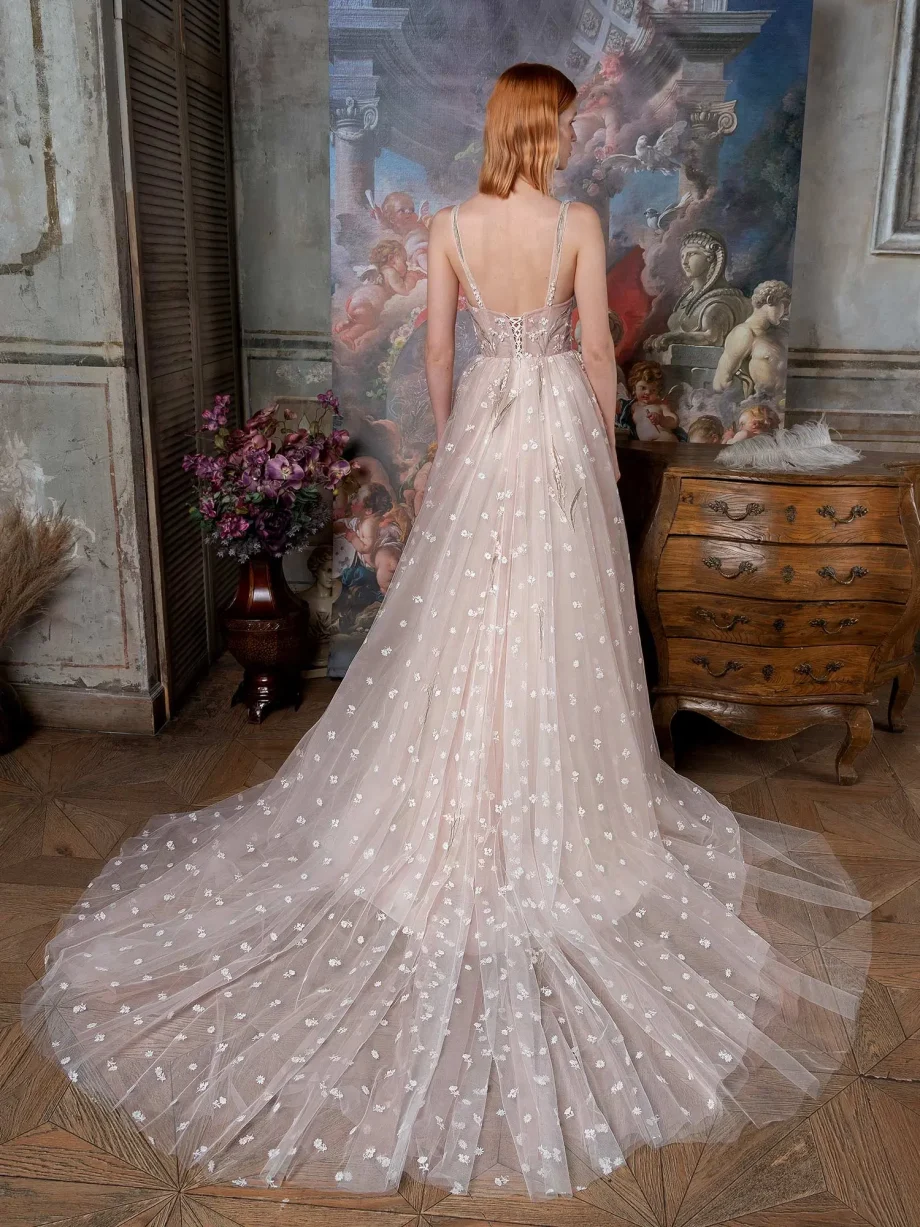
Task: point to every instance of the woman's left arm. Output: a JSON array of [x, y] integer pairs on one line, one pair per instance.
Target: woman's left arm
[[443, 290]]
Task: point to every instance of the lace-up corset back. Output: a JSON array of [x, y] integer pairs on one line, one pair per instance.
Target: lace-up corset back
[[535, 334]]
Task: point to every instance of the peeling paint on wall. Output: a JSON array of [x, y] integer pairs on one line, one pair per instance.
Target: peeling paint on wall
[[69, 419]]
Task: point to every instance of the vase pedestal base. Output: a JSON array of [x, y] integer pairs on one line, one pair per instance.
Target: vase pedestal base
[[265, 692], [268, 631]]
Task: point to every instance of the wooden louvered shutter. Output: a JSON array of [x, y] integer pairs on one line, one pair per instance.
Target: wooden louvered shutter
[[177, 92]]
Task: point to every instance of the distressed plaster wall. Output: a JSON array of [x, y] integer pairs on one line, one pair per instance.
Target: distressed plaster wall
[[280, 98], [69, 422], [855, 329]]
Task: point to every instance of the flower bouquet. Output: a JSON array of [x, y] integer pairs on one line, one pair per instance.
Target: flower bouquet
[[259, 497], [259, 489]]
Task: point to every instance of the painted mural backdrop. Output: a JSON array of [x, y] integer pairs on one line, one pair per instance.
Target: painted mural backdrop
[[689, 143]]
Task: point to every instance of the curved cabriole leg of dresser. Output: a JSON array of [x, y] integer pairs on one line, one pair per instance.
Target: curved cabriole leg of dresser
[[901, 690], [860, 728], [664, 710], [769, 723]]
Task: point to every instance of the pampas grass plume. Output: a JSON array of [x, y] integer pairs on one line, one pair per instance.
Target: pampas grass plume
[[34, 558]]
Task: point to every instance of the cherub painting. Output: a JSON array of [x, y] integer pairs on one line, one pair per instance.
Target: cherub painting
[[653, 420], [707, 428], [397, 213], [388, 275], [754, 419]]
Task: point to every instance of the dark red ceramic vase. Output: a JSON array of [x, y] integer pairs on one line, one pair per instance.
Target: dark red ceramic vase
[[268, 632]]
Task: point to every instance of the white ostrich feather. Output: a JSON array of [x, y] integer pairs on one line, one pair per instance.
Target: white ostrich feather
[[805, 448]]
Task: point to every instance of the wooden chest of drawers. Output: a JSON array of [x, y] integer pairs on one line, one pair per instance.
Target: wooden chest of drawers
[[772, 602]]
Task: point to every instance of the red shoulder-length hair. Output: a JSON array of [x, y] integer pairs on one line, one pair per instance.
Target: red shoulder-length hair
[[521, 136]]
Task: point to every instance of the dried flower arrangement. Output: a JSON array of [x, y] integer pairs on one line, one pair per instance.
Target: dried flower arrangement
[[34, 558]]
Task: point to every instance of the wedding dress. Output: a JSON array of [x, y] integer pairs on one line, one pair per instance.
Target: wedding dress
[[474, 927]]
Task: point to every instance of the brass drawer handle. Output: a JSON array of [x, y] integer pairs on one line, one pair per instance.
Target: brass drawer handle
[[706, 615], [855, 573], [744, 568], [732, 667], [830, 514], [752, 509], [841, 625], [831, 667]]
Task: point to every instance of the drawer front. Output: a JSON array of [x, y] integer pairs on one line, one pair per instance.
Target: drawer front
[[745, 511], [789, 673], [792, 572], [696, 615]]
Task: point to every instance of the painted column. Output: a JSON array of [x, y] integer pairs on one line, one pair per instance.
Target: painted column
[[707, 37], [355, 31], [354, 126]]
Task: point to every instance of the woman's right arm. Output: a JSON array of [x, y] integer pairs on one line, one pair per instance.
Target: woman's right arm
[[597, 348], [443, 290]]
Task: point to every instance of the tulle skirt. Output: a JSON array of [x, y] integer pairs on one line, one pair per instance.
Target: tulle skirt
[[474, 929]]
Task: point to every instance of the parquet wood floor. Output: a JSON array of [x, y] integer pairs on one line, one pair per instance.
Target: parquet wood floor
[[852, 1160]]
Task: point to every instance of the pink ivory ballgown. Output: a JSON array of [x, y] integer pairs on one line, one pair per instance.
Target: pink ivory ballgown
[[474, 928]]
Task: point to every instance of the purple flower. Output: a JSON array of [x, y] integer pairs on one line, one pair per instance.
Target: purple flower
[[296, 439], [206, 468], [286, 472], [251, 478], [272, 525], [232, 526], [216, 417], [262, 425], [260, 486]]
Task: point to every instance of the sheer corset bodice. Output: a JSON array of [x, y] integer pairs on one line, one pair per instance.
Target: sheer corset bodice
[[541, 333], [538, 334]]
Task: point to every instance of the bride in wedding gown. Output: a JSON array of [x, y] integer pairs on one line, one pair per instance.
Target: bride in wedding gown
[[474, 929]]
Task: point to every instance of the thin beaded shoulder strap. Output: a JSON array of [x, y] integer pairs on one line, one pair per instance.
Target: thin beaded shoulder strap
[[557, 253], [463, 264]]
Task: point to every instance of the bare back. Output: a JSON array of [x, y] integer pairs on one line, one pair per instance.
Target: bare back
[[507, 248], [508, 245]]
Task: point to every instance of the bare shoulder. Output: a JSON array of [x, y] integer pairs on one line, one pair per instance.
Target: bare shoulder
[[439, 229], [441, 220], [583, 222]]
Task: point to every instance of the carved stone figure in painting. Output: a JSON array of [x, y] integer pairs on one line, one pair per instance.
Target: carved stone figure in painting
[[710, 308], [756, 350]]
